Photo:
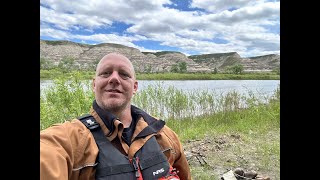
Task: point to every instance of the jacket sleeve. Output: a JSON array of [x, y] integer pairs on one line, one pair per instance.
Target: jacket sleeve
[[180, 163], [55, 153], [61, 145]]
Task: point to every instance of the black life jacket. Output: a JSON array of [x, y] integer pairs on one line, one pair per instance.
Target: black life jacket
[[148, 163]]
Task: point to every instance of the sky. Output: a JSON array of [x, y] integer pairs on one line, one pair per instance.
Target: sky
[[193, 27]]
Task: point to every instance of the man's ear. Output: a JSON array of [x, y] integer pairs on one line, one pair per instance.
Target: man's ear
[[135, 87]]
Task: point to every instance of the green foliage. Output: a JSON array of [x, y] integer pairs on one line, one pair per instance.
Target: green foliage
[[179, 67], [66, 64], [147, 68], [208, 57], [161, 53], [62, 42], [58, 73], [66, 99], [174, 68], [236, 69], [57, 42], [229, 61], [182, 67], [91, 66], [276, 70], [51, 74], [215, 71], [45, 64], [207, 76]]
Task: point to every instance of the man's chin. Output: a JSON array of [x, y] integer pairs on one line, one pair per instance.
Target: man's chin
[[114, 105]]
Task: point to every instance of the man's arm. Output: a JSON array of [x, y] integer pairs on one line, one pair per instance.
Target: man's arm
[[55, 154], [180, 161]]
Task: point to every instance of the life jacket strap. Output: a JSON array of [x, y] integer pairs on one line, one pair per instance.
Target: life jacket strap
[[89, 121], [151, 161], [118, 169]]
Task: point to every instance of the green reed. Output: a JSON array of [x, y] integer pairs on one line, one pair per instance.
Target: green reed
[[72, 97], [66, 99]]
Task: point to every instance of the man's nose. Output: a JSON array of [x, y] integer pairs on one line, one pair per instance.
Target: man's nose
[[114, 78]]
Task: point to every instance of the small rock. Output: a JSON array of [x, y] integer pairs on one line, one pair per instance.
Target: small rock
[[239, 171], [259, 177], [251, 174], [228, 176]]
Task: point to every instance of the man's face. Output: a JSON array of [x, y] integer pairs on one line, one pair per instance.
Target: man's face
[[115, 83]]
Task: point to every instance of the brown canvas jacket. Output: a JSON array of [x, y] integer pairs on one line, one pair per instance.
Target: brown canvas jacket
[[68, 151]]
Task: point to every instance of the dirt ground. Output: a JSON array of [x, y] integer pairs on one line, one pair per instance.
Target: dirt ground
[[215, 155]]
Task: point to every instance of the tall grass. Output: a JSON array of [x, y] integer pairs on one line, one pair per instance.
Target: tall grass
[[71, 97], [66, 99], [173, 103]]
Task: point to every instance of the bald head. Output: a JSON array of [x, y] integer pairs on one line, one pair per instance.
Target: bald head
[[115, 57]]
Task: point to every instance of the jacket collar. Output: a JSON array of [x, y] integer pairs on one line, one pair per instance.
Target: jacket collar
[[108, 118], [135, 111]]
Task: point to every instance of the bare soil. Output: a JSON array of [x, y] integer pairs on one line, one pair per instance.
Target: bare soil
[[215, 155]]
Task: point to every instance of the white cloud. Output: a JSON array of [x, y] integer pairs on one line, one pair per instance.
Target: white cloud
[[221, 5], [244, 29]]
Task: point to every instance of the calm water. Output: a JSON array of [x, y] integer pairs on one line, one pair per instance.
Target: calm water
[[220, 86], [259, 87]]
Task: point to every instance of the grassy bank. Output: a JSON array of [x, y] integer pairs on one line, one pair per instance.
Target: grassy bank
[[52, 74], [224, 136]]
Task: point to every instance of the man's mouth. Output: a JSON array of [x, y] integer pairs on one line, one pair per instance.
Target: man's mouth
[[114, 90]]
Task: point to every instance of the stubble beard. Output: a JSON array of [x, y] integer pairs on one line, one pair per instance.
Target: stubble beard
[[115, 106]]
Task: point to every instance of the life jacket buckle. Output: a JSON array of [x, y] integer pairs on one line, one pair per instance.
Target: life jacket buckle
[[91, 124], [136, 167]]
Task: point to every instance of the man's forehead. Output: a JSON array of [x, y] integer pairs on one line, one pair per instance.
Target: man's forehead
[[115, 56], [116, 61], [111, 62]]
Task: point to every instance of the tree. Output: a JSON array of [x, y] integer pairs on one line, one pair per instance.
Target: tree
[[174, 68], [66, 64], [45, 64], [276, 70], [182, 66], [147, 68], [179, 67], [215, 71], [237, 69]]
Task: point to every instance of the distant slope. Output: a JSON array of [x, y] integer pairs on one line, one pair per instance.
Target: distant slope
[[86, 57]]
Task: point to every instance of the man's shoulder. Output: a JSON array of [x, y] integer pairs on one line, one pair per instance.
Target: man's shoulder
[[73, 125], [167, 130]]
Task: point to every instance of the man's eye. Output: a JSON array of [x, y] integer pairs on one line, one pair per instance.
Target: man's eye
[[124, 75], [105, 74]]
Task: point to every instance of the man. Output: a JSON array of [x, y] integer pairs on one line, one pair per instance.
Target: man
[[141, 147]]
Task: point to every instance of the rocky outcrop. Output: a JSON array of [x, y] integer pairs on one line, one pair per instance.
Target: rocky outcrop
[[87, 56], [223, 60], [219, 60]]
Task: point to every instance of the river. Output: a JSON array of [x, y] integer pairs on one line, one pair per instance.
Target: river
[[265, 87]]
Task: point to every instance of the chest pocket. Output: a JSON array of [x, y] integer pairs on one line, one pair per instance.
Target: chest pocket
[[152, 162]]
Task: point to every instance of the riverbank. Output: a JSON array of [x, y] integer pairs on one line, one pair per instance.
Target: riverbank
[[247, 138], [52, 74]]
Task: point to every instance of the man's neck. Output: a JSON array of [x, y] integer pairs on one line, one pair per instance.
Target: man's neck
[[124, 116]]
